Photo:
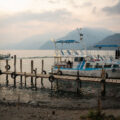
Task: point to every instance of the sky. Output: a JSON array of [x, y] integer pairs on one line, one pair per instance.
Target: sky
[[21, 19]]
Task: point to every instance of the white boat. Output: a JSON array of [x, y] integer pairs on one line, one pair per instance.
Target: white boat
[[87, 68], [2, 56], [72, 62]]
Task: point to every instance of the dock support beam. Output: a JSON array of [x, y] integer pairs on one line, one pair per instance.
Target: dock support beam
[[78, 84], [78, 81], [42, 68], [7, 82], [57, 85], [21, 84], [103, 88], [35, 78], [15, 70], [25, 80], [32, 72], [103, 83]]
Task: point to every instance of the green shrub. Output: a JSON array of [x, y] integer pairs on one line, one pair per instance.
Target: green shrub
[[95, 115]]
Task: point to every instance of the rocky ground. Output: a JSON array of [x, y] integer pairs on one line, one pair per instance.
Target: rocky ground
[[24, 112], [42, 106]]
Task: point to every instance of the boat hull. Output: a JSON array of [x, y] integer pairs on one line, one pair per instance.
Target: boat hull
[[2, 57], [111, 73]]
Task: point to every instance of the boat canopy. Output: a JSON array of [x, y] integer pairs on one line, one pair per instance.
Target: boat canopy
[[107, 45], [66, 41]]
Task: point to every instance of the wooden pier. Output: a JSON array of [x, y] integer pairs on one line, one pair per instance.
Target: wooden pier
[[63, 77], [34, 75]]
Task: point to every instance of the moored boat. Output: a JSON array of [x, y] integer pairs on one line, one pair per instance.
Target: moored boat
[[2, 56], [87, 68], [73, 61]]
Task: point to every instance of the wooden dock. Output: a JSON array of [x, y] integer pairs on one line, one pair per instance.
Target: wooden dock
[[34, 76], [63, 77]]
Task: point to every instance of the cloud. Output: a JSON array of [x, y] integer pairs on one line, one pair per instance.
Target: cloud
[[53, 1], [78, 4], [87, 4], [49, 16], [94, 10], [112, 10]]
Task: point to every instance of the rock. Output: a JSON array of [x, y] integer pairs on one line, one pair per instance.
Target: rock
[[53, 112], [118, 95], [35, 103], [4, 99]]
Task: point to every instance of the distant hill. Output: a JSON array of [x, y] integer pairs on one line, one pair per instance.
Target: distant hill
[[91, 37], [30, 43], [110, 40], [33, 42]]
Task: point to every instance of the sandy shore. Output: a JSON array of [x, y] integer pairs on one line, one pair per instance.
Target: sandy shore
[[38, 105], [38, 113]]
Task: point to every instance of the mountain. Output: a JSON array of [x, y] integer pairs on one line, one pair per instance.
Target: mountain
[[91, 37], [33, 42], [110, 40]]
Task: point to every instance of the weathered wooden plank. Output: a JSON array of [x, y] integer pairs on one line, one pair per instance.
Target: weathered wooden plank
[[87, 79]]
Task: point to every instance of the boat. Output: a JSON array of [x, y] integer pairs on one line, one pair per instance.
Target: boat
[[73, 62], [87, 68], [7, 56]]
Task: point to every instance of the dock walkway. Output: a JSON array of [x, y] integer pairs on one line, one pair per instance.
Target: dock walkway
[[63, 77]]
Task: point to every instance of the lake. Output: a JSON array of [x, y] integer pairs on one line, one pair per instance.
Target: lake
[[26, 95]]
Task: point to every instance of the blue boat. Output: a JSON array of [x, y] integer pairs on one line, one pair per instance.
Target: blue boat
[[72, 61]]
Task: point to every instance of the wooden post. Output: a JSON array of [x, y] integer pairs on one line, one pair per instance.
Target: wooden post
[[42, 68], [99, 106], [77, 88], [103, 87], [57, 84], [7, 74], [15, 70], [25, 80], [78, 84], [35, 79], [32, 73], [103, 83], [51, 88], [21, 72]]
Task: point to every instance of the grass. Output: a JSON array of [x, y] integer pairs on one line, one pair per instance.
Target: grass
[[95, 115]]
